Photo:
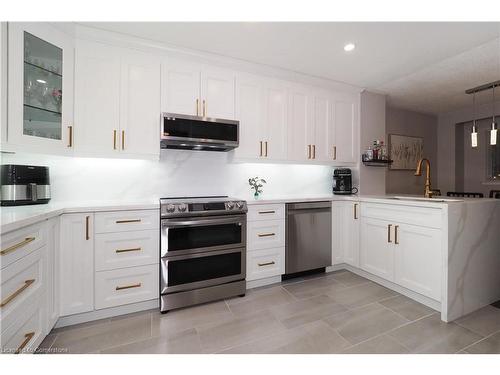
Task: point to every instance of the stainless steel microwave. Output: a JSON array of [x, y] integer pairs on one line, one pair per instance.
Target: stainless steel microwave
[[198, 133]]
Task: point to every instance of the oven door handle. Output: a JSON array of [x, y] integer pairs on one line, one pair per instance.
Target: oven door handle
[[173, 223]]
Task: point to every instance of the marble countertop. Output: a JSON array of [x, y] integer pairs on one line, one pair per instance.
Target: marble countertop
[[13, 218]]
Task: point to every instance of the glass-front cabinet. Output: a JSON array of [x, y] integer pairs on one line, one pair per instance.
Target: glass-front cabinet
[[41, 69]]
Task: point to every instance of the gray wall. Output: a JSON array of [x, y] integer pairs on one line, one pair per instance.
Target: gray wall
[[404, 122], [372, 126], [447, 152]]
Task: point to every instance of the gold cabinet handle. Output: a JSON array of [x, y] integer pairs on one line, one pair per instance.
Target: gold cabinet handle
[[334, 152], [197, 107], [26, 285], [123, 139], [267, 212], [396, 239], [114, 139], [260, 148], [27, 338], [87, 228], [128, 221], [128, 250], [266, 264], [309, 151], [24, 242], [266, 148], [266, 234], [128, 286], [355, 211], [70, 136], [204, 108], [389, 233], [314, 151]]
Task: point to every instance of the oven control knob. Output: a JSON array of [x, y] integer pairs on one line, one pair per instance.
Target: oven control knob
[[239, 205], [230, 205], [170, 208], [182, 207]]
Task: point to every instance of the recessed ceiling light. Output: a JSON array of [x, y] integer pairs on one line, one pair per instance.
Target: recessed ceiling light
[[349, 47]]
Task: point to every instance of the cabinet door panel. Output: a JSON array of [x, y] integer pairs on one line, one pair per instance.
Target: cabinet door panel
[[180, 87], [97, 98], [53, 272], [323, 127], [377, 254], [140, 104], [337, 231], [350, 234], [345, 129], [217, 92], [275, 113], [418, 260], [77, 264], [249, 111], [301, 135], [40, 87]]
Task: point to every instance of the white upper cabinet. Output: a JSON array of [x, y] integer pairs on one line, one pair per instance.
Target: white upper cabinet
[[250, 113], [261, 108], [140, 104], [301, 127], [217, 93], [40, 88], [97, 99], [276, 120], [197, 90], [117, 94], [181, 87], [323, 138], [346, 119]]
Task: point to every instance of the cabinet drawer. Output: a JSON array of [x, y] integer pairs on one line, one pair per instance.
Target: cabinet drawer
[[21, 283], [120, 250], [421, 216], [21, 242], [265, 234], [26, 333], [266, 212], [265, 263], [126, 285], [123, 221]]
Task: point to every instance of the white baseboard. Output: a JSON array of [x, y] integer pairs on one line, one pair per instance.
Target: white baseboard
[[107, 313], [262, 282]]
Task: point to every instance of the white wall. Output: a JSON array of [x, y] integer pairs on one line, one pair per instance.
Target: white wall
[[178, 173]]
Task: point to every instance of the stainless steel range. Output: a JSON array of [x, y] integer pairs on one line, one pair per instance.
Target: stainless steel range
[[202, 250]]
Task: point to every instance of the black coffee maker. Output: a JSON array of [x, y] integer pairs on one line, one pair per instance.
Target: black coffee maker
[[342, 182]]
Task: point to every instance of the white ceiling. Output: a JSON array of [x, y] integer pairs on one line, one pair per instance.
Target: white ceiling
[[421, 66]]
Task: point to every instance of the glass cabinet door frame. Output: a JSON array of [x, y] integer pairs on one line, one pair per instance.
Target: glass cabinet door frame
[[15, 119]]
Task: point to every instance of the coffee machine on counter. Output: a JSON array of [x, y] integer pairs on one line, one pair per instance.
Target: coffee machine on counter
[[342, 182], [24, 184]]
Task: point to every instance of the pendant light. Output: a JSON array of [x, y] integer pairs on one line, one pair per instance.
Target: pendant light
[[493, 132], [473, 134]]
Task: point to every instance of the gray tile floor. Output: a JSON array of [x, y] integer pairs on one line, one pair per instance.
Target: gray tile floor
[[338, 312]]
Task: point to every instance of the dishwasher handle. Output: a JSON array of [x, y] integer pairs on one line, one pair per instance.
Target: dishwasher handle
[[308, 205]]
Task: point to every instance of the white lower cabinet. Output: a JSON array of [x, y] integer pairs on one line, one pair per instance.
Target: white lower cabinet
[[265, 263], [377, 253], [409, 255], [345, 231], [265, 241], [126, 285], [418, 259], [53, 272], [77, 263]]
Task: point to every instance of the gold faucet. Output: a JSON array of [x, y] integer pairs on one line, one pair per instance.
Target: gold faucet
[[428, 192]]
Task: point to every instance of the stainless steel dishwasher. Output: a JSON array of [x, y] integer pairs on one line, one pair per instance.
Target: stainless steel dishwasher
[[308, 242]]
